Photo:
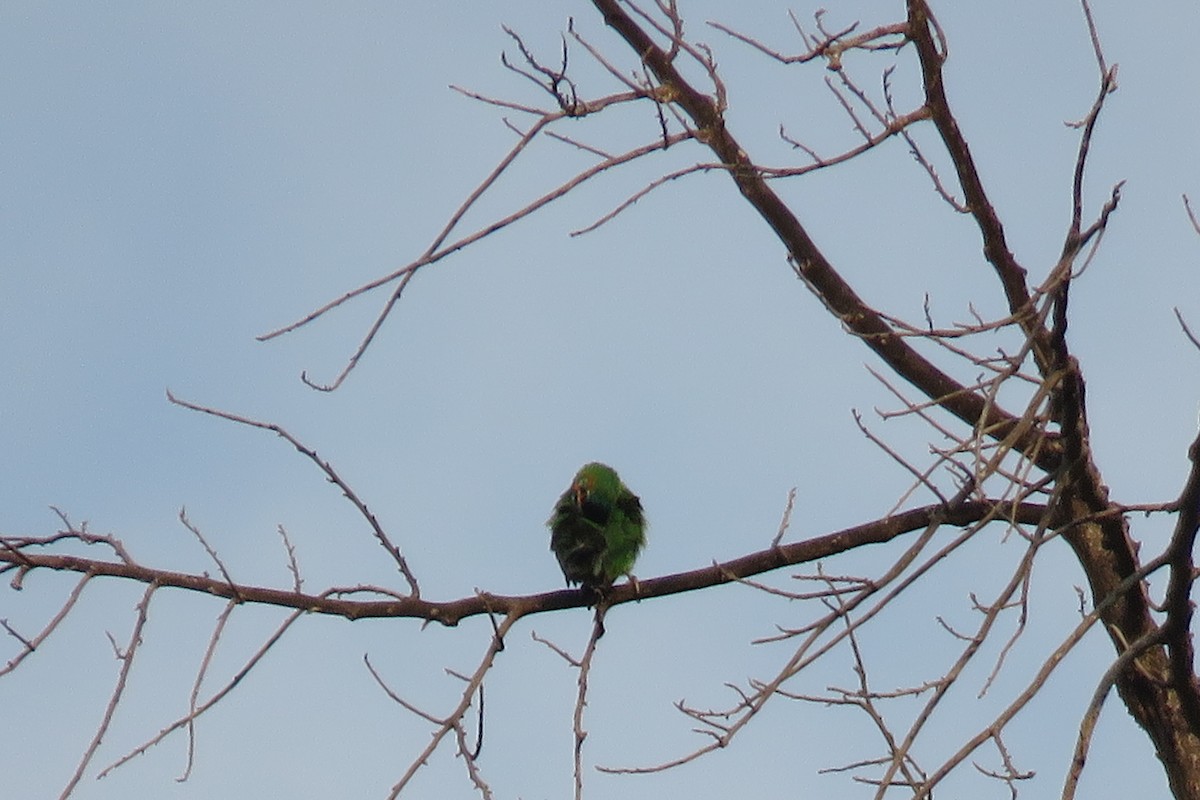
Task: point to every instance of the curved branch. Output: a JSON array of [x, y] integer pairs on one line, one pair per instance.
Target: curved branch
[[333, 601], [330, 474]]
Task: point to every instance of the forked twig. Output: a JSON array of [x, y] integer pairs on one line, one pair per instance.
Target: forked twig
[[126, 658], [29, 645], [453, 720]]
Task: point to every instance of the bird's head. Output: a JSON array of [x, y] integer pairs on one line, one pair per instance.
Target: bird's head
[[581, 491], [594, 491], [595, 482]]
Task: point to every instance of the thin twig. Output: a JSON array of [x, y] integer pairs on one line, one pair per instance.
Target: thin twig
[[327, 468], [786, 521], [30, 645], [585, 668], [452, 721], [187, 523], [194, 697], [212, 701], [126, 658]]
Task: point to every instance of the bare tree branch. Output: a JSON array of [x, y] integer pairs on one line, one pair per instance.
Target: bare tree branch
[[392, 549], [450, 613], [809, 261], [126, 659]]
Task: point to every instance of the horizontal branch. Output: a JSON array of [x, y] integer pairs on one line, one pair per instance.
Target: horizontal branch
[[334, 601]]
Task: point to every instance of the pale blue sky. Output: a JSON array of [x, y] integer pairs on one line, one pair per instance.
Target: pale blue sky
[[178, 178]]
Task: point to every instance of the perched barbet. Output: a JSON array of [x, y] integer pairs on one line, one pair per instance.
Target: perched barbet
[[597, 528]]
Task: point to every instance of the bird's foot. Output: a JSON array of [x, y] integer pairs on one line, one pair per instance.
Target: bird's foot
[[594, 594]]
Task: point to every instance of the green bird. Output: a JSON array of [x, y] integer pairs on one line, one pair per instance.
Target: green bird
[[597, 528]]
